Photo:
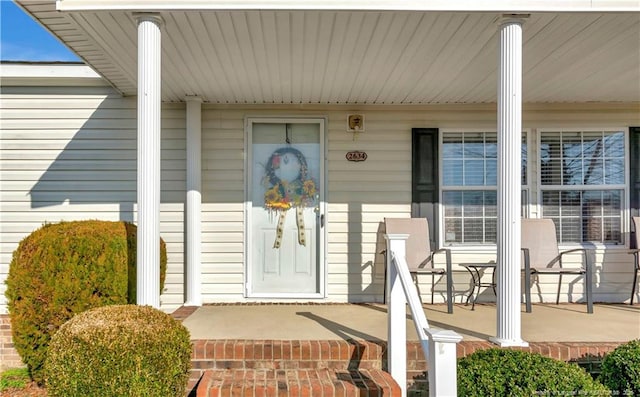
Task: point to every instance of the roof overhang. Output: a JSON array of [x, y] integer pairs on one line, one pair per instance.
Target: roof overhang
[[358, 52], [499, 6]]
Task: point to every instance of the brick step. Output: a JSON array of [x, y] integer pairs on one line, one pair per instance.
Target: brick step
[[297, 382], [349, 355], [289, 354]]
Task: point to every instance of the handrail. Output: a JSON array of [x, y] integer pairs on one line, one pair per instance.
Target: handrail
[[415, 305], [438, 346]]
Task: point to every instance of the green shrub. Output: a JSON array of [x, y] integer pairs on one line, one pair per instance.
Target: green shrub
[[503, 372], [63, 269], [123, 350], [620, 370]]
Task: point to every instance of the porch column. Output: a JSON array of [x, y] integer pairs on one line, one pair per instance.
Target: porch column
[[148, 251], [509, 183], [194, 201]]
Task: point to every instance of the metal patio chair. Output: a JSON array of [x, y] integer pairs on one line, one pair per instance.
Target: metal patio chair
[[541, 256], [419, 255], [636, 255]]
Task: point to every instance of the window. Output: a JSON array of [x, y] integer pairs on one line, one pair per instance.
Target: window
[[469, 186], [582, 184], [582, 177]]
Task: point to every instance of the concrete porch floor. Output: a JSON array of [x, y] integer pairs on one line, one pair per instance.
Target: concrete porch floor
[[546, 323]]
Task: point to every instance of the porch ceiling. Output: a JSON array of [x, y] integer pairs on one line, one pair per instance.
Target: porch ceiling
[[358, 57]]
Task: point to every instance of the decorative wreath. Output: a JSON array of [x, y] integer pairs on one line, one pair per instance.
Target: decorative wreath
[[284, 194]]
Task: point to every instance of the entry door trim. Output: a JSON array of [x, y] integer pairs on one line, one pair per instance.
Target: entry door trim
[[248, 177]]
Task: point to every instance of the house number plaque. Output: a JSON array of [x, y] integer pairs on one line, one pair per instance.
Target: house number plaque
[[356, 156]]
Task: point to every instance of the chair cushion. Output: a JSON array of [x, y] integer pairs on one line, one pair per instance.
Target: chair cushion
[[417, 248], [539, 236]]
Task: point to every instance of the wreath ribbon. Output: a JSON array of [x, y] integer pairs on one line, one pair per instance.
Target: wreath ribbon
[[279, 229], [302, 238]]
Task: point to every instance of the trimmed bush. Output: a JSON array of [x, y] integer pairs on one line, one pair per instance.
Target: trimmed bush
[[620, 370], [122, 350], [504, 372], [63, 269]]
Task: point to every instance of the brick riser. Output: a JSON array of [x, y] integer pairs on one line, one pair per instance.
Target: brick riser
[[312, 360], [341, 355], [297, 382]]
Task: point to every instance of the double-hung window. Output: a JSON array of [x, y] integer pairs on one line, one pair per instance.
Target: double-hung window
[[469, 186], [583, 185]]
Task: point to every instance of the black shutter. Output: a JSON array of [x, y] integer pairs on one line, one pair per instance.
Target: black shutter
[[634, 173], [424, 179]]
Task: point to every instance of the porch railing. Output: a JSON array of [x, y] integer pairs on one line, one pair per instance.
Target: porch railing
[[439, 346]]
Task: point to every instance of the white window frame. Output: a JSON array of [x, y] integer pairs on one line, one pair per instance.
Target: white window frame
[[625, 213], [476, 247]]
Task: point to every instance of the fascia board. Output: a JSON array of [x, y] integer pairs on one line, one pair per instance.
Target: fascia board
[[49, 74], [500, 6]]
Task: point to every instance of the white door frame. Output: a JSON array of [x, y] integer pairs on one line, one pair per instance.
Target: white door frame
[[248, 177]]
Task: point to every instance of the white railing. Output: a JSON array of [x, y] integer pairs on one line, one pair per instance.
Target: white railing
[[439, 346]]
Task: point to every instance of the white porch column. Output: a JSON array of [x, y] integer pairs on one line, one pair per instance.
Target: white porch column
[[509, 183], [194, 201], [148, 252]]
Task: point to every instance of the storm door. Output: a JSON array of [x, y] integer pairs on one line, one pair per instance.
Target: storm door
[[285, 208]]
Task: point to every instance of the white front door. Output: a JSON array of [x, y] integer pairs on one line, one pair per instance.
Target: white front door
[[285, 208]]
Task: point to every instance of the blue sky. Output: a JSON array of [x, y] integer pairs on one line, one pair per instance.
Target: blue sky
[[23, 39]]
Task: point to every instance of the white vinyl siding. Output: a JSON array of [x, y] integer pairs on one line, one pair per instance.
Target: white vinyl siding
[[360, 196], [222, 206], [70, 153]]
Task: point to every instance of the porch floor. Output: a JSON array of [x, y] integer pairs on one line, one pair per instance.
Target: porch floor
[[546, 323]]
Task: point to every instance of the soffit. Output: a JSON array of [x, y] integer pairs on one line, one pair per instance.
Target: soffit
[[358, 57]]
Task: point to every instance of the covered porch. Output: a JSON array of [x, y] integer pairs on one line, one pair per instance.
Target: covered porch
[[228, 62], [205, 72], [367, 321], [294, 339]]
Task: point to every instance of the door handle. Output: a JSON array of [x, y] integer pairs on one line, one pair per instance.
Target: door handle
[[322, 220]]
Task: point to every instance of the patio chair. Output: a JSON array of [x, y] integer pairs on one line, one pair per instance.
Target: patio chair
[[636, 255], [419, 255], [541, 256]]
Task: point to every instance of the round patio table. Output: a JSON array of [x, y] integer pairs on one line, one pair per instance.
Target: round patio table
[[475, 269]]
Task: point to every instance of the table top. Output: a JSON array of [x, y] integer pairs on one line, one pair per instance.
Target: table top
[[479, 264]]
